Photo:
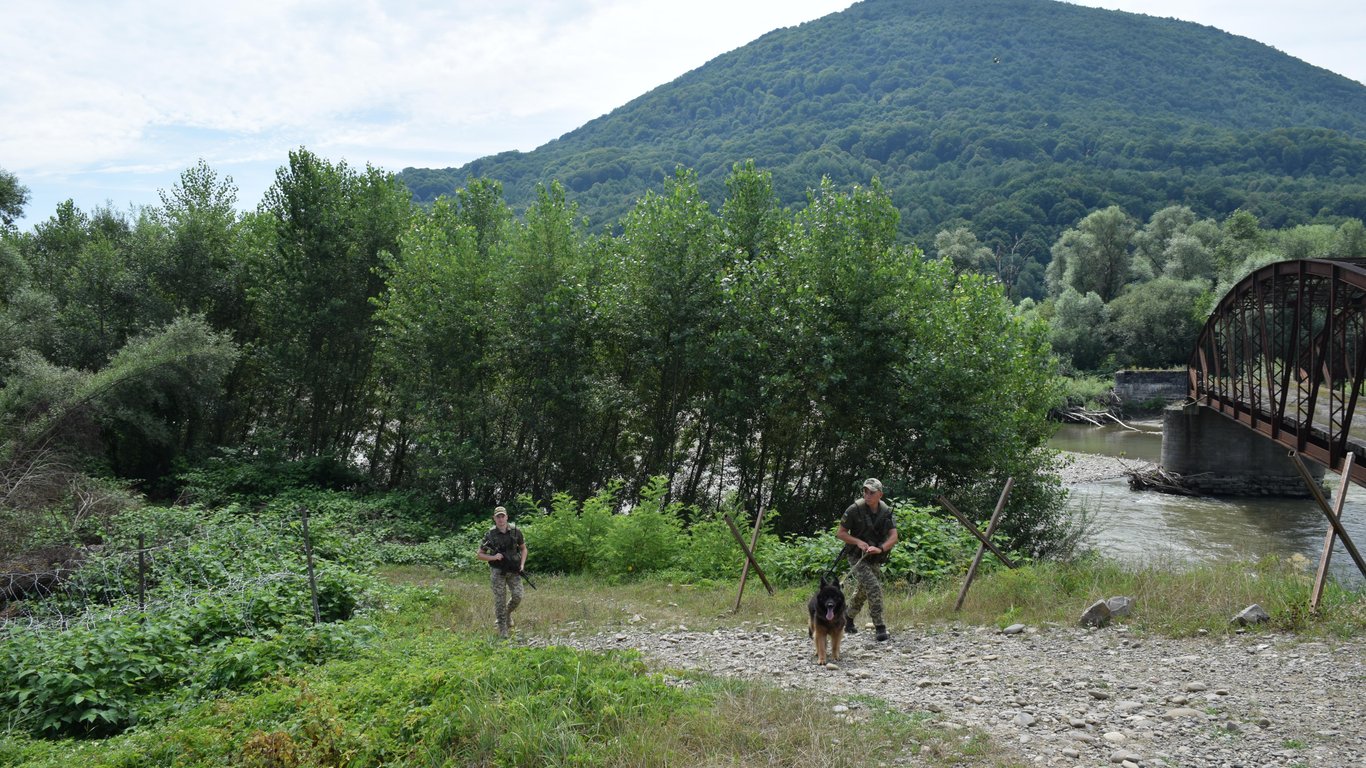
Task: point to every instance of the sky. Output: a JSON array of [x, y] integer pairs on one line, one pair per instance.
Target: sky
[[106, 103]]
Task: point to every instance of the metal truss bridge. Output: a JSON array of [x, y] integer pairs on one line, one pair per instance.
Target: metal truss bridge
[[1284, 353]]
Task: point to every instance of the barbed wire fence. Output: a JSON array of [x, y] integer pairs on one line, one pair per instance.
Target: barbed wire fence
[[60, 587]]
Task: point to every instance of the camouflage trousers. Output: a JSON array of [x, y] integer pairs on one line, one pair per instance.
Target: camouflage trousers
[[507, 595], [867, 579]]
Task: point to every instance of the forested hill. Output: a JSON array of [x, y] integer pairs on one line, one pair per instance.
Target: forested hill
[[1016, 116]]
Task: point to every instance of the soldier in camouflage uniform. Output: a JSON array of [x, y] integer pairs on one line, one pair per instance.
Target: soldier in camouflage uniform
[[504, 549], [868, 530]]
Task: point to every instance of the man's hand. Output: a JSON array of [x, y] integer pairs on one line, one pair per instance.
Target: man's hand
[[497, 556]]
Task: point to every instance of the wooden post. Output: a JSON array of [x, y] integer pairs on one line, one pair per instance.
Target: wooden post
[[1317, 493], [1321, 576], [973, 529], [308, 555], [981, 548], [142, 572], [753, 542], [749, 559]]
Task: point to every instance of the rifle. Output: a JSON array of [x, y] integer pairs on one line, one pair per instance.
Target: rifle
[[509, 558]]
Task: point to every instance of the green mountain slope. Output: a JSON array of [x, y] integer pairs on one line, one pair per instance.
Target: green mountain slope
[[1014, 116]]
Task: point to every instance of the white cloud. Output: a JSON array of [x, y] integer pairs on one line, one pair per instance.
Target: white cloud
[[116, 98]]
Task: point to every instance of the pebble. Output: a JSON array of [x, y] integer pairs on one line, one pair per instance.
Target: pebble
[[1060, 695]]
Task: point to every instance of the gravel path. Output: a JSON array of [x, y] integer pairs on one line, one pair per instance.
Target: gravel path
[[1067, 696]]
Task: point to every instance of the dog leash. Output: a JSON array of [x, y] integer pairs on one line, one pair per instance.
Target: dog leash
[[834, 566]]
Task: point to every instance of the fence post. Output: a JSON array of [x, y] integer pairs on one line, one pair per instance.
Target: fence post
[[308, 554], [142, 572]]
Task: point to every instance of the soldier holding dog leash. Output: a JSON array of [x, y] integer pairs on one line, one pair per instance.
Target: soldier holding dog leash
[[868, 530], [504, 549]]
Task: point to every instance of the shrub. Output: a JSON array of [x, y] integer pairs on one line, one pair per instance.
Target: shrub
[[645, 540]]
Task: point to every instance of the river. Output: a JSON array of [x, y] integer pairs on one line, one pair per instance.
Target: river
[[1156, 528]]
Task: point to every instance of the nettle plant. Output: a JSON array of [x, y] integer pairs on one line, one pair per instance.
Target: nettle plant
[[226, 602]]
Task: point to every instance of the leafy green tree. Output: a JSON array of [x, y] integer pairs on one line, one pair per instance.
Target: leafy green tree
[[13, 198], [1079, 329], [751, 411], [961, 249], [751, 215], [1095, 256], [311, 286], [1186, 257], [481, 207], [435, 315], [546, 356], [1156, 323], [202, 271], [1152, 241], [667, 308], [1307, 241], [1243, 236], [92, 269], [132, 415], [1350, 240]]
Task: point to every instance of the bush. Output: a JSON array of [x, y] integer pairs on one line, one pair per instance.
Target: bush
[[251, 478], [645, 540], [227, 600], [87, 680]]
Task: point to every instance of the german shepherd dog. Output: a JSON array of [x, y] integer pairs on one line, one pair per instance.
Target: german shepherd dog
[[826, 609]]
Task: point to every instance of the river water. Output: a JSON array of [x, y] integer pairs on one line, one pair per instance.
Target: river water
[[1157, 528]]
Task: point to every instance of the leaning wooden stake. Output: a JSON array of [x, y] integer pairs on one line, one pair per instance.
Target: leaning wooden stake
[[1321, 577], [1317, 493], [981, 548], [749, 557], [966, 523]]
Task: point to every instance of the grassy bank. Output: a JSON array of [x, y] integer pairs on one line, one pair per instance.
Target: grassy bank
[[431, 686], [1175, 601]]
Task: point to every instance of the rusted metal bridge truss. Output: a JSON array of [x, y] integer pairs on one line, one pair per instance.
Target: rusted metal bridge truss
[[1284, 353]]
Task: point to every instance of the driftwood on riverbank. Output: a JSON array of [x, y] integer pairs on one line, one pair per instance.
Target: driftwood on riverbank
[[1158, 479], [1079, 415]]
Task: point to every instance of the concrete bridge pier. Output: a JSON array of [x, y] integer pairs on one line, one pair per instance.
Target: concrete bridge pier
[[1217, 456]]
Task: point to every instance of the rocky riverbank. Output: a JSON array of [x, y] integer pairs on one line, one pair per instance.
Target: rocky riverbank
[[1090, 467], [1059, 696]]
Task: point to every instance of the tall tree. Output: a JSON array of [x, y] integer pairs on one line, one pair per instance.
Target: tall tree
[[13, 198], [435, 316], [667, 308], [311, 288], [1094, 256], [202, 269], [562, 425], [961, 249]]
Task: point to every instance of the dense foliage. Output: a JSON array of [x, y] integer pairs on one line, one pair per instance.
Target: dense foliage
[[1123, 293], [462, 352], [182, 604], [1014, 118], [176, 605], [795, 353]]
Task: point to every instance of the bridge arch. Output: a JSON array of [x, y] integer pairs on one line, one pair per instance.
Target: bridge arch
[[1284, 353]]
